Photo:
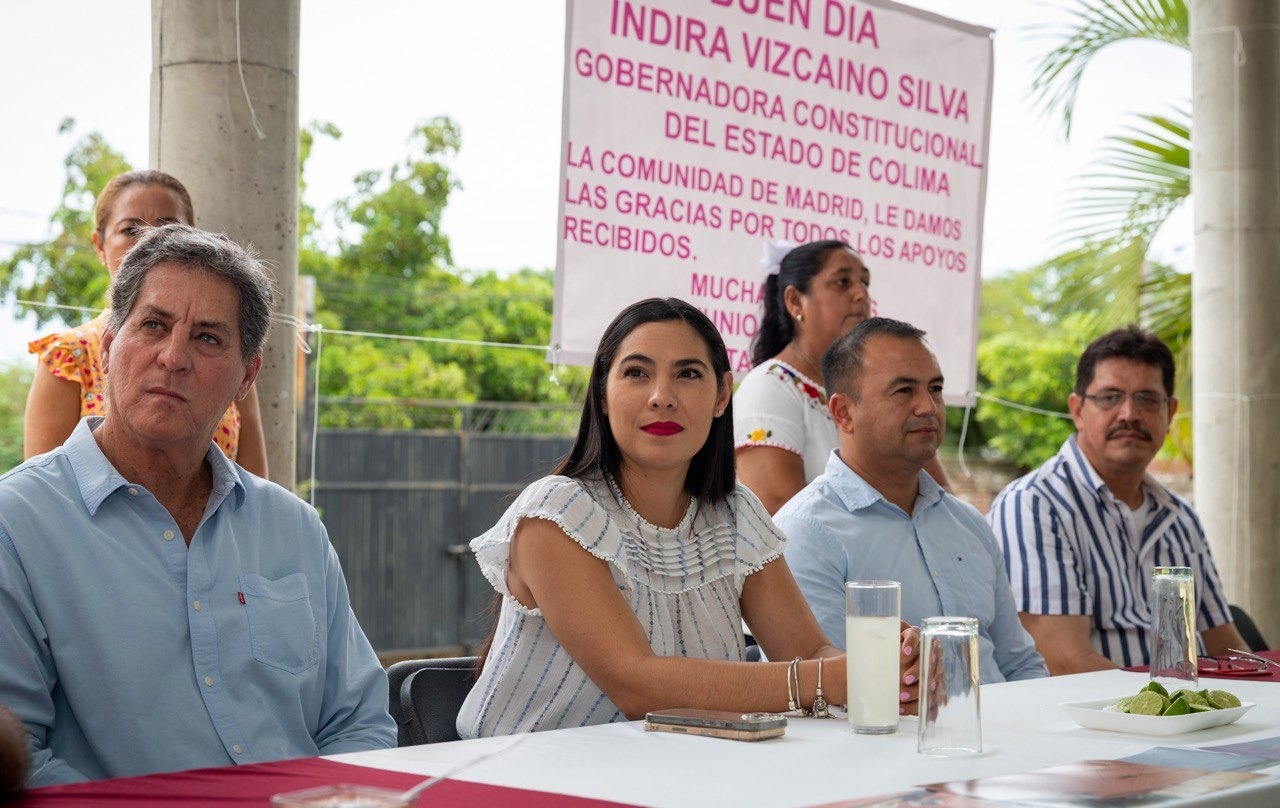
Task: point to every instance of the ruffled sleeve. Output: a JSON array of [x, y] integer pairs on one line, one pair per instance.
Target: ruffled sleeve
[[759, 539], [561, 500], [67, 355], [73, 355]]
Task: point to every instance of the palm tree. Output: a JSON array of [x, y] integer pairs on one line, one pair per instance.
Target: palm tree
[[1142, 176]]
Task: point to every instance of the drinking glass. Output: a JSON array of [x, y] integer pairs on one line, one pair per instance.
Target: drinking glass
[[1173, 628], [873, 639], [344, 795], [950, 703]]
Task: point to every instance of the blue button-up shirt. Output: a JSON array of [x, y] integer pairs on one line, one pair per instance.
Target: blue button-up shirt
[[841, 529], [124, 652]]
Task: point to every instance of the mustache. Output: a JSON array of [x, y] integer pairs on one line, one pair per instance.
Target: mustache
[[922, 423], [1128, 426]]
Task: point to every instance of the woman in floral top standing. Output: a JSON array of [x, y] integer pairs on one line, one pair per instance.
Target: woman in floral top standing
[[69, 383], [783, 433]]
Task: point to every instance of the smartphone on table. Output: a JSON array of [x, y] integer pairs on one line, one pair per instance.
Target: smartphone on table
[[717, 724]]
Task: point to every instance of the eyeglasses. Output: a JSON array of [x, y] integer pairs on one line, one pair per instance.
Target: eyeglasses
[[1144, 400], [1234, 666]]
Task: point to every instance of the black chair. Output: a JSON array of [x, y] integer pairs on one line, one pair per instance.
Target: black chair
[[425, 696], [1244, 624], [396, 674]]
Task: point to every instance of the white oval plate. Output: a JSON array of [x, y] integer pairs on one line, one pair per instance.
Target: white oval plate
[[1093, 715]]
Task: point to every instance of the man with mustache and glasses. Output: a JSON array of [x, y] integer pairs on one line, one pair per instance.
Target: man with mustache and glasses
[[1082, 532], [875, 514]]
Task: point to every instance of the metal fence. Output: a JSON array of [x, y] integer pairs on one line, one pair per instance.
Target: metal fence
[[400, 507]]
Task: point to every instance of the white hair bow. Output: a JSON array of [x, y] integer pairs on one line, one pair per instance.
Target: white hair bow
[[774, 252]]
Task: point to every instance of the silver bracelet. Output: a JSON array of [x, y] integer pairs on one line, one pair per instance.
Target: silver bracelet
[[793, 684], [819, 703], [794, 672]]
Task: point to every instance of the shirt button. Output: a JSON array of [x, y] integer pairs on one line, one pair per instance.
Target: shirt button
[[196, 605], [236, 748], [168, 535], [208, 680], [133, 492]]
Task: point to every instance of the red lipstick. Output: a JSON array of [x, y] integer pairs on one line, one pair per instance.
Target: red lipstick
[[662, 428]]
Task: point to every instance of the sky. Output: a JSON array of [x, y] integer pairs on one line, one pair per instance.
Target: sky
[[376, 68]]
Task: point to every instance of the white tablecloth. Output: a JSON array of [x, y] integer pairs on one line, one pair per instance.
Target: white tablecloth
[[822, 761]]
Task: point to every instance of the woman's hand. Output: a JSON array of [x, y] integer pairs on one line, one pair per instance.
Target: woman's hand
[[909, 665]]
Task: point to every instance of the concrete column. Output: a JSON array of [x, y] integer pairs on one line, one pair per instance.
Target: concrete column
[[243, 177], [1236, 294]]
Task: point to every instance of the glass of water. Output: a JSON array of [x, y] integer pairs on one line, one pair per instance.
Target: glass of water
[[1173, 627], [950, 698]]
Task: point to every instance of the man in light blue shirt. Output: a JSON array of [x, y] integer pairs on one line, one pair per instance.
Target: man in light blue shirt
[[161, 608], [875, 514]]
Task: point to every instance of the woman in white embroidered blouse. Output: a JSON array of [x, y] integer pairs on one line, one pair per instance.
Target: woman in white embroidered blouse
[[783, 433], [626, 575]]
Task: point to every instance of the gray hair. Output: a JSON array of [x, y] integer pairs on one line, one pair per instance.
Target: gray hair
[[198, 250], [842, 363]]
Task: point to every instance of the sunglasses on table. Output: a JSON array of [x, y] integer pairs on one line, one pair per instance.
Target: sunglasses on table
[[1234, 666]]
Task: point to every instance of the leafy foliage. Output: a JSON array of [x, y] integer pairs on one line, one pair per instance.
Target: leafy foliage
[[65, 269], [391, 274], [1035, 374], [1096, 25], [1140, 178], [14, 381]]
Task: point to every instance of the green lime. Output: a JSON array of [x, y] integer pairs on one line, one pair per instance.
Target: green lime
[[1190, 696], [1123, 704], [1155, 687], [1223, 700], [1178, 706], [1197, 707], [1147, 703]]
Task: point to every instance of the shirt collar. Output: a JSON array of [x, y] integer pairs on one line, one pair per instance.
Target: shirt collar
[[1073, 456], [98, 479], [856, 493]]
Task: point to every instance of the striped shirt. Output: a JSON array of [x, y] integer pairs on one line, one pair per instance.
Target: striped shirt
[[1071, 549], [684, 585]]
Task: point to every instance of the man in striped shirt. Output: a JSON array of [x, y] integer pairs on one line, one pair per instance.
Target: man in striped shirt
[[1082, 533]]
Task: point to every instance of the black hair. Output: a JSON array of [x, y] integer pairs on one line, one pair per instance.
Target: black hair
[[797, 269], [595, 450], [1130, 342], [842, 363]]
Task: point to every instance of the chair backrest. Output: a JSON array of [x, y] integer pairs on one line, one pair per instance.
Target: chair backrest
[[1250, 633], [430, 694]]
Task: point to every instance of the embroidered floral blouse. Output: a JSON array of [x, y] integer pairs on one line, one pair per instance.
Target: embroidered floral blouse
[[777, 405]]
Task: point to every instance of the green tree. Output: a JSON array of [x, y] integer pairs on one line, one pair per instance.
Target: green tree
[[65, 269], [1019, 374], [15, 379], [1142, 176]]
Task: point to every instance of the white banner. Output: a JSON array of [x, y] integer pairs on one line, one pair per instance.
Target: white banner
[[696, 130]]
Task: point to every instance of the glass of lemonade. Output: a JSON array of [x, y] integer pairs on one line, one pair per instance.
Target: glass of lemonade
[[873, 639]]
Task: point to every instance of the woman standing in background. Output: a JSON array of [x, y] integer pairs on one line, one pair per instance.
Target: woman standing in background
[[69, 383], [783, 433]]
